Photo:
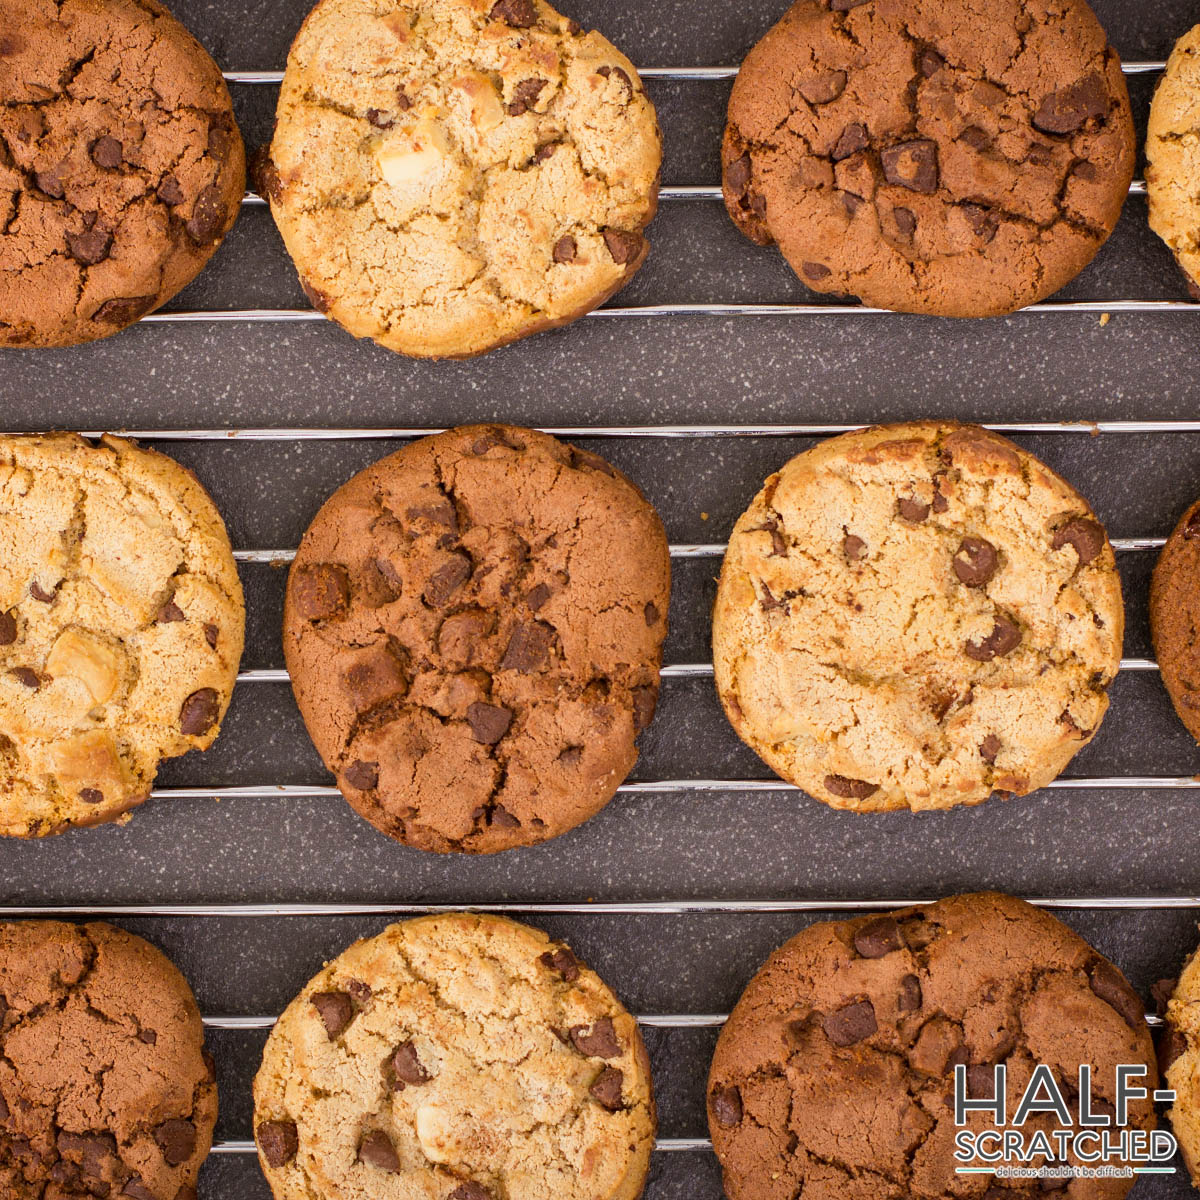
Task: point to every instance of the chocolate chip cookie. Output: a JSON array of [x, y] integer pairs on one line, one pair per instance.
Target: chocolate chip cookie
[[452, 176], [931, 156], [1173, 157], [1179, 1058], [121, 625], [121, 167], [105, 1087], [456, 1057], [834, 1077], [474, 630], [1175, 617], [915, 616]]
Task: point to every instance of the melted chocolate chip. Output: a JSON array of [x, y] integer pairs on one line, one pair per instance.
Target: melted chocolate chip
[[470, 1190], [170, 191], [320, 592], [1070, 108], [8, 628], [107, 153], [909, 999], [1109, 984], [989, 748], [176, 1140], [850, 1024], [562, 961], [912, 510], [1085, 535], [376, 1150], [208, 216], [446, 580], [91, 796], [335, 1009], [39, 593], [975, 562], [607, 1087], [565, 249], [623, 245], [362, 775], [520, 14], [199, 712], [1004, 639], [727, 1106], [489, 722], [850, 789], [528, 648], [169, 613], [525, 96], [824, 87], [853, 547], [853, 139], [124, 310], [406, 1067], [645, 701], [28, 676], [597, 1041], [878, 938], [913, 165]]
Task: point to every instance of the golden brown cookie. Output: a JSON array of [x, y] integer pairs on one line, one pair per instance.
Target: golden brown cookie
[[1175, 617], [105, 1087], [456, 1057], [450, 175], [830, 1080], [931, 156], [1179, 1061], [121, 626], [123, 169], [915, 616], [474, 630]]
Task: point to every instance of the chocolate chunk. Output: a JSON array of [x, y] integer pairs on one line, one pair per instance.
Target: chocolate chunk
[[913, 165], [176, 1140], [565, 249], [406, 1066], [727, 1106], [983, 221], [321, 591], [362, 775], [562, 961], [853, 547], [528, 648], [1171, 1044], [906, 221], [852, 139], [520, 14], [91, 796], [1070, 108], [170, 191], [737, 174], [1109, 984], [909, 999], [501, 818], [623, 245], [929, 62], [850, 1024], [124, 310], [878, 938], [441, 512], [199, 712], [976, 138], [28, 676], [651, 614], [376, 1150], [8, 628], [778, 543], [543, 152], [1085, 535], [597, 1041], [39, 593], [989, 748], [1004, 639], [489, 722], [208, 216], [147, 1037], [50, 183], [912, 510], [3, 1108], [823, 88], [211, 634], [137, 1190], [850, 789], [335, 1009], [850, 202], [107, 152], [379, 119], [320, 300], [470, 1191], [570, 756], [607, 1087], [622, 75], [265, 175], [645, 701], [815, 271], [169, 613], [525, 96], [446, 580], [975, 562]]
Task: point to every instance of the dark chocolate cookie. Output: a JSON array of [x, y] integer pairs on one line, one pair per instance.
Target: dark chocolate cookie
[[474, 629], [121, 167], [931, 156], [1175, 617], [834, 1077], [105, 1087]]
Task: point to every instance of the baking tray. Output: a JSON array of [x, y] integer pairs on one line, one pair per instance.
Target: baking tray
[[250, 873]]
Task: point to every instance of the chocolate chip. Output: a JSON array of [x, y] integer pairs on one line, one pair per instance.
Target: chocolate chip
[[362, 775], [3, 1108], [147, 1037], [1072, 107], [379, 119], [975, 562], [913, 165], [406, 1066], [1171, 1044], [169, 613], [525, 96], [446, 580], [543, 152], [562, 961], [1191, 530], [823, 88], [40, 593], [623, 245], [177, 1141], [815, 271], [976, 138], [645, 701], [320, 300], [737, 174], [853, 139], [596, 1041], [850, 1023], [1109, 984], [853, 547], [91, 796], [208, 218], [489, 722], [528, 648], [520, 14], [727, 1106], [137, 1190], [211, 634], [929, 62], [335, 1009], [199, 711], [376, 1150], [470, 1191], [27, 676], [107, 152], [8, 628], [265, 175], [909, 999], [983, 221], [501, 818], [622, 75], [441, 512], [50, 183], [607, 1087], [1084, 534], [170, 191], [912, 510], [906, 221], [989, 748], [778, 543], [1004, 639], [570, 756], [124, 310], [565, 249], [850, 789], [878, 938], [321, 591]]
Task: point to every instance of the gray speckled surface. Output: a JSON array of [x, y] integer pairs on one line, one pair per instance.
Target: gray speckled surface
[[604, 372]]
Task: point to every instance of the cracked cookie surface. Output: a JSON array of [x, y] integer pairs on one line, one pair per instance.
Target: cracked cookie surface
[[1175, 617], [954, 157], [450, 175], [121, 626], [455, 1057], [474, 631], [1173, 156], [915, 616], [121, 167], [105, 1087], [834, 1077]]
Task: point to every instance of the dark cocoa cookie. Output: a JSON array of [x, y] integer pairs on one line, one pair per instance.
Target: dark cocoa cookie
[[105, 1087], [473, 628], [834, 1077], [1175, 617], [931, 156], [121, 167]]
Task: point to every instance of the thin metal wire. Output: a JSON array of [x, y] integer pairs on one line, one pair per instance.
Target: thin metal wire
[[662, 1145]]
